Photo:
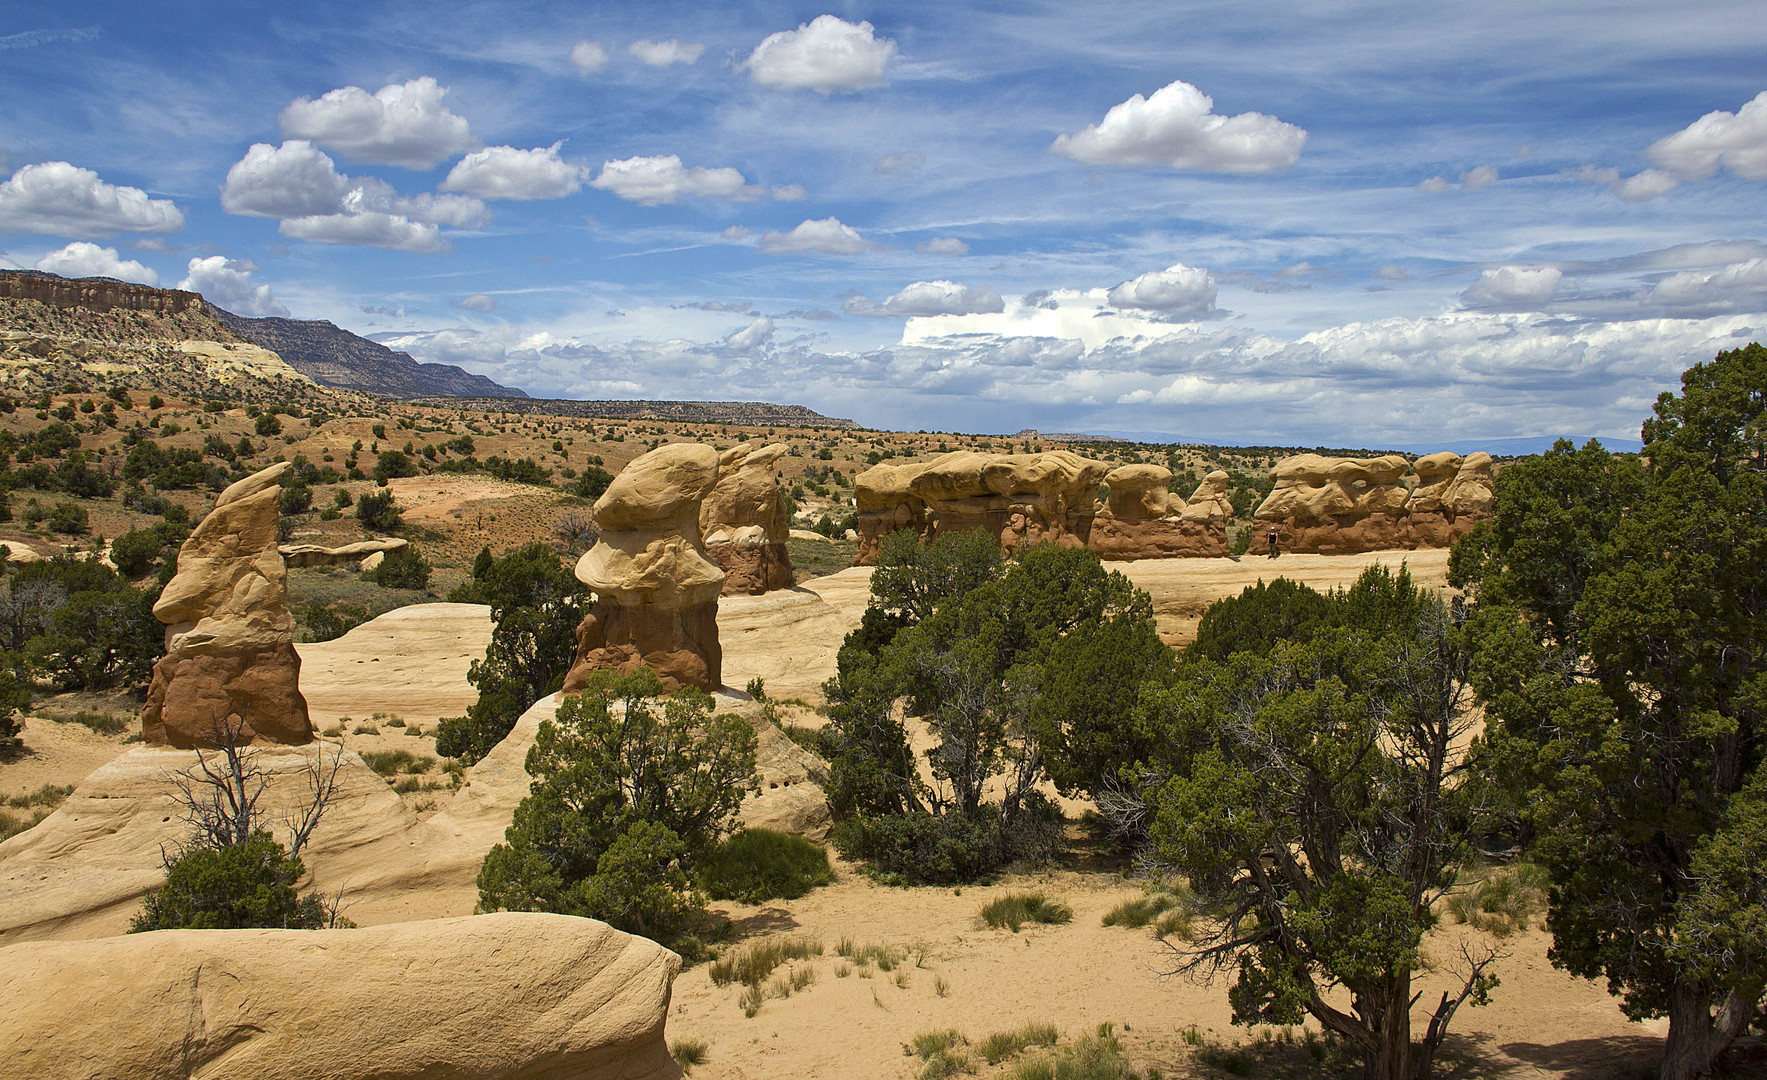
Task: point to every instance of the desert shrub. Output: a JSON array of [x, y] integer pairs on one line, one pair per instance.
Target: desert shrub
[[69, 517], [688, 1053], [536, 602], [379, 512], [391, 762], [239, 885], [1017, 909], [403, 569], [941, 1054], [591, 482], [756, 865], [621, 811], [1140, 911], [951, 849], [1090, 1057], [1005, 1044], [393, 464], [329, 623], [297, 498], [1499, 901], [750, 966]]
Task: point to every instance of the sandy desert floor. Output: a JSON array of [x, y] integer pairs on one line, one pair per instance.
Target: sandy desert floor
[[854, 1021]]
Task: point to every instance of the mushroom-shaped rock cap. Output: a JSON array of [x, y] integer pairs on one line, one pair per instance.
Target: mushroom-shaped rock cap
[[659, 491], [1436, 468], [1042, 474], [1139, 491], [1304, 468], [957, 475], [748, 455], [884, 487]]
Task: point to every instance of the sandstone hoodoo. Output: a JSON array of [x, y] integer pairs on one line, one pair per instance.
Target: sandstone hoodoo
[[230, 667], [743, 521], [507, 995], [656, 592], [1336, 506], [1018, 498], [1143, 519]]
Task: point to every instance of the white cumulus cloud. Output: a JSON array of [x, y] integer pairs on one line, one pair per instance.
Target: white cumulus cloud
[[943, 245], [1177, 290], [291, 180], [60, 199], [479, 302], [752, 336], [588, 57], [85, 259], [827, 55], [504, 172], [1481, 177], [370, 229], [926, 298], [655, 181], [1736, 141], [227, 283], [1739, 287], [1177, 128], [1435, 185], [824, 236], [402, 124], [663, 53], [299, 182], [1514, 288]]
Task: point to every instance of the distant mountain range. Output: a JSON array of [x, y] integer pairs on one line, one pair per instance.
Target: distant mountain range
[[331, 355], [1518, 446], [750, 413]]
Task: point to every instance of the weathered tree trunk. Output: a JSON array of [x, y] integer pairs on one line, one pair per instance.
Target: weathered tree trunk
[[1391, 1020], [1697, 1038]]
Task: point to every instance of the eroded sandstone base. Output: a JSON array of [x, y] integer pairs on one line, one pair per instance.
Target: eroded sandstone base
[[679, 643], [253, 696], [752, 569]]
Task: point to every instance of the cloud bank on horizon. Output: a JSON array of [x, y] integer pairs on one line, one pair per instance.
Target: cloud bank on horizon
[[1272, 225]]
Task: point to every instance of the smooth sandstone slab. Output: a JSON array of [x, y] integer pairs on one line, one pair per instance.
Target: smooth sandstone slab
[[410, 662], [510, 996]]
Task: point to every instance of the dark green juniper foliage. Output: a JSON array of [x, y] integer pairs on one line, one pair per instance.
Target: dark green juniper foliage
[[1314, 800], [624, 805], [1021, 672], [536, 602], [1621, 625]]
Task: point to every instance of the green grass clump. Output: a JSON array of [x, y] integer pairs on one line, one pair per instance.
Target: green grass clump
[[393, 762], [1004, 1044], [882, 957], [1091, 1057], [752, 965], [757, 865], [1140, 911], [1017, 909], [40, 804], [689, 1052], [102, 723], [942, 1054], [1499, 901]]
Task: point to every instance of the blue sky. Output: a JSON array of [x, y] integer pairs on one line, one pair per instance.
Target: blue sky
[[1376, 224]]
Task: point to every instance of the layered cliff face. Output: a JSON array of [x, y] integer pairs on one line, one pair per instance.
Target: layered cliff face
[[95, 294], [656, 592]]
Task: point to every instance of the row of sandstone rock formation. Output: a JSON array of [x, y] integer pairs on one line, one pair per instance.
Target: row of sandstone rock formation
[[1319, 504], [685, 524], [680, 527]]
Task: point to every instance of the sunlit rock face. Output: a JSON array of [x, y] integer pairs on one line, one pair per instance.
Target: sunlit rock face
[[1143, 519], [1019, 499], [743, 524], [1337, 506], [656, 592], [230, 669]]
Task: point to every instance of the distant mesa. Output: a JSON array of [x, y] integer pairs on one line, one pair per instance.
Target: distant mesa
[[747, 413], [120, 311], [332, 356]]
